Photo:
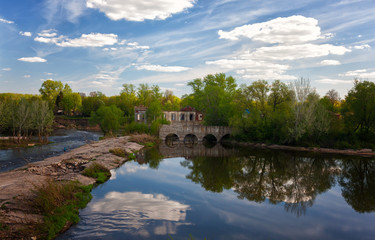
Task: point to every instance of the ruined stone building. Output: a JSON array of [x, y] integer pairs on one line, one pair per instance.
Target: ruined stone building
[[186, 114]]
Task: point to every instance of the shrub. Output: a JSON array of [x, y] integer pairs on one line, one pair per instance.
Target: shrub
[[118, 152], [144, 139], [97, 171], [59, 202]]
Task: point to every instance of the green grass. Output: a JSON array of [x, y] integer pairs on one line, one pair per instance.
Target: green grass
[[97, 171], [118, 152], [132, 156], [3, 227], [59, 203]]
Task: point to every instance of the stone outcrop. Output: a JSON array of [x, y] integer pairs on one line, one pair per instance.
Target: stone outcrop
[[16, 186]]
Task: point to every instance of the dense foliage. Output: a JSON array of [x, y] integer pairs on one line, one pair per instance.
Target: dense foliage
[[272, 112]]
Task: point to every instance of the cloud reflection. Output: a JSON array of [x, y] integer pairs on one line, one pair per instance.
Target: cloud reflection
[[136, 212]]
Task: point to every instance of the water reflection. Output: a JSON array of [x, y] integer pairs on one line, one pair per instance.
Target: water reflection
[[358, 184], [130, 211], [287, 178], [251, 194]]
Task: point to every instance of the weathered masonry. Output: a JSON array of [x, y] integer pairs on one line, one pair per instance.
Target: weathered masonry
[[182, 130], [186, 114]]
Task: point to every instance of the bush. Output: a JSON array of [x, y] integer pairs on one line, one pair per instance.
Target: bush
[[59, 202], [97, 171], [144, 139], [118, 152]]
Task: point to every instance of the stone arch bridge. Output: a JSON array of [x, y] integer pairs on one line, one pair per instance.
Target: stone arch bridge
[[181, 130]]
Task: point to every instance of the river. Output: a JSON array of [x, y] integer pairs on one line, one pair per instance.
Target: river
[[228, 193], [61, 139]]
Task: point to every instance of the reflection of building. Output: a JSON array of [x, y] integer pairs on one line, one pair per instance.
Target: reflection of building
[[186, 114]]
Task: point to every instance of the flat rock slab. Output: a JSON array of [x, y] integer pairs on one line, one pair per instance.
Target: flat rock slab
[[16, 186]]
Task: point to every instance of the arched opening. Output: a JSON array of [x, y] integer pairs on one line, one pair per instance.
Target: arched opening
[[209, 141], [225, 141], [225, 138], [190, 140], [172, 140]]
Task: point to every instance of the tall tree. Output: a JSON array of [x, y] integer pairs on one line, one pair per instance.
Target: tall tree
[[50, 90], [213, 96], [359, 109]]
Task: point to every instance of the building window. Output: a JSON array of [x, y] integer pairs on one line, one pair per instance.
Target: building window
[[183, 117], [200, 117], [173, 116], [191, 116], [165, 116]]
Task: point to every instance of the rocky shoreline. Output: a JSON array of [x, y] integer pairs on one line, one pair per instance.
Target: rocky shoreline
[[17, 219], [362, 152]]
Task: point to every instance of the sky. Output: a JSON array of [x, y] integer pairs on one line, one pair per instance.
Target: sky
[[99, 45]]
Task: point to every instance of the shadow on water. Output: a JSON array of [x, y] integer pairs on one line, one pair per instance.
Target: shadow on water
[[61, 139]]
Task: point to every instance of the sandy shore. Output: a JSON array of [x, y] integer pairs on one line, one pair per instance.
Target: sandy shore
[[16, 186]]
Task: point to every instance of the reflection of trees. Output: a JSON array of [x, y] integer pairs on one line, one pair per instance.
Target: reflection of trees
[[275, 176], [214, 174], [284, 178], [358, 184], [151, 156]]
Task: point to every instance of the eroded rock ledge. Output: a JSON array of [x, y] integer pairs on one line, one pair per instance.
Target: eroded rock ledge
[[16, 186]]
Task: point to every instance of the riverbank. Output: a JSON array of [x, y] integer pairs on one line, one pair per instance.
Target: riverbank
[[63, 122], [17, 218], [362, 152]]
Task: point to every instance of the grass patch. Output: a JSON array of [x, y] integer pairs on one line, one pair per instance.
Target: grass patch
[[144, 139], [59, 203], [118, 152], [3, 206], [97, 171], [3, 227]]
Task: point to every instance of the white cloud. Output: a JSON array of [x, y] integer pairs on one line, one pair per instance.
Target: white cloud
[[6, 69], [140, 10], [250, 69], [180, 84], [293, 52], [26, 34], [361, 47], [48, 33], [135, 46], [158, 68], [26, 76], [346, 2], [294, 29], [334, 81], [149, 206], [59, 10], [361, 73], [32, 59], [330, 63], [6, 21], [86, 40]]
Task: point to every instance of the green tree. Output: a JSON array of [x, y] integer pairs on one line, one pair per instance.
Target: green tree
[[109, 118], [359, 109], [50, 90], [213, 95], [71, 102]]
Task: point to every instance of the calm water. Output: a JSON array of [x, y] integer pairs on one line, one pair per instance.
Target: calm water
[[60, 139], [244, 195]]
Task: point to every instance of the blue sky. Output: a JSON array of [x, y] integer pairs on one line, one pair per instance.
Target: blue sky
[[98, 45]]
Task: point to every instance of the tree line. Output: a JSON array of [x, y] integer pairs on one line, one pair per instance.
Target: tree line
[[271, 112]]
